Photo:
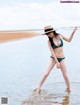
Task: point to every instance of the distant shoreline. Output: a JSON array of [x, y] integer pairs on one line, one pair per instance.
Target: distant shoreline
[[6, 36]]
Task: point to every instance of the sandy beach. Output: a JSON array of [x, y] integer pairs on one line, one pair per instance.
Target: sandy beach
[[6, 36]]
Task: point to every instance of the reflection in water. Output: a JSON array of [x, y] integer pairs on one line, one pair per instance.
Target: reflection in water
[[54, 94], [47, 99], [65, 100]]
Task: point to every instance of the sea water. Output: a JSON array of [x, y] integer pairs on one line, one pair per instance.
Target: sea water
[[22, 64]]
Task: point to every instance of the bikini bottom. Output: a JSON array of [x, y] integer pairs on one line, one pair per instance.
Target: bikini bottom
[[59, 59]]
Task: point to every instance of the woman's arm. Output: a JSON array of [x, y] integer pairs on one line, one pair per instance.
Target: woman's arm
[[52, 51], [71, 36]]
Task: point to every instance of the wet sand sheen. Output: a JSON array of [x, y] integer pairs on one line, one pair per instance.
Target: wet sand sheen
[[55, 94], [6, 36]]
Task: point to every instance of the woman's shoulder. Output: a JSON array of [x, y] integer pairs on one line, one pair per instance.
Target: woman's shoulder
[[61, 36], [48, 41]]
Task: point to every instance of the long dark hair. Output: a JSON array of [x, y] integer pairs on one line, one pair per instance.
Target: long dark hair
[[55, 34]]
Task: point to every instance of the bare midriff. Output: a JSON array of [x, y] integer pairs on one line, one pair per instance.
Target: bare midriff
[[59, 52]]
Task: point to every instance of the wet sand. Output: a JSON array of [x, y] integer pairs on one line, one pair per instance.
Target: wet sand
[[55, 94], [6, 36]]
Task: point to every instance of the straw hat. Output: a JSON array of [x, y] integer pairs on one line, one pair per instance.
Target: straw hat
[[48, 29]]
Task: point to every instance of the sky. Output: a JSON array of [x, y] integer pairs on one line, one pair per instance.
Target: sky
[[35, 14]]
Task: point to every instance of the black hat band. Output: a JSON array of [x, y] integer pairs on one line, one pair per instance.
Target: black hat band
[[51, 29]]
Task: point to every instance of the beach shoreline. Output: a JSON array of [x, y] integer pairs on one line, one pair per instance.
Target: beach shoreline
[[6, 36]]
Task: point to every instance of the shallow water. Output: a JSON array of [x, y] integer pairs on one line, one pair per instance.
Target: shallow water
[[55, 94], [22, 64]]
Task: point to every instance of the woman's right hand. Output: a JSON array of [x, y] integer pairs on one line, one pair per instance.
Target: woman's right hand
[[58, 65], [76, 28]]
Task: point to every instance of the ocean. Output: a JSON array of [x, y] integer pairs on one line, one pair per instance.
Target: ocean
[[22, 64]]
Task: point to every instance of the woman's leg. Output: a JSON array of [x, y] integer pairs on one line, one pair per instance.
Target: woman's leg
[[45, 75], [65, 74]]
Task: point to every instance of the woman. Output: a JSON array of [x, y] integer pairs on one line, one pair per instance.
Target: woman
[[55, 44]]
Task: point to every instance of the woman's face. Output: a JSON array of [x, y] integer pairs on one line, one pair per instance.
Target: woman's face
[[50, 34]]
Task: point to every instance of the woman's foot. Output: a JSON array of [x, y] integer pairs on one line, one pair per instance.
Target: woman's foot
[[37, 90], [68, 90]]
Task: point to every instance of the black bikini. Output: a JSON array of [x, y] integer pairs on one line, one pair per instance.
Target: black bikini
[[54, 47]]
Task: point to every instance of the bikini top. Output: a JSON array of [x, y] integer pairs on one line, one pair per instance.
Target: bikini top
[[55, 46]]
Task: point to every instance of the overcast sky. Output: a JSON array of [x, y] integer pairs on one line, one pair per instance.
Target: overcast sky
[[31, 14]]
